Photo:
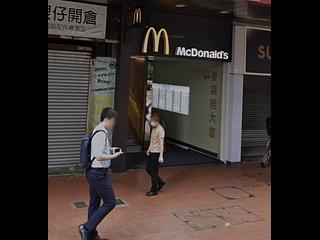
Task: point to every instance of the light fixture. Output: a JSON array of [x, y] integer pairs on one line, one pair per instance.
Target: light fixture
[[180, 5], [138, 58], [224, 12]]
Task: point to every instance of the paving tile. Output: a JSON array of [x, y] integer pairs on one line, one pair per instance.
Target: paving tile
[[187, 189]]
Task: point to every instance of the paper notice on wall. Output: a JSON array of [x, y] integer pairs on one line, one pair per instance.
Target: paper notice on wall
[[184, 102], [162, 97], [171, 98], [176, 101], [155, 96], [102, 87]]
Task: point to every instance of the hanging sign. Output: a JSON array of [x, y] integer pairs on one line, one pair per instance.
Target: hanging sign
[[76, 19]]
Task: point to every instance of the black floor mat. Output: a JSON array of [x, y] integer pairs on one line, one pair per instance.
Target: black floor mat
[[177, 156]]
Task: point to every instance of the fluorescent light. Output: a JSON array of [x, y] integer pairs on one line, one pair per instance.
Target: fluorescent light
[[180, 5], [224, 12]]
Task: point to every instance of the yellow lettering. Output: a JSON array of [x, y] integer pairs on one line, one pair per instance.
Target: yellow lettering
[[268, 52], [261, 51]]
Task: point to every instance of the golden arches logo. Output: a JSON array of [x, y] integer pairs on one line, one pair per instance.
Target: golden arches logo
[[156, 39], [137, 16]]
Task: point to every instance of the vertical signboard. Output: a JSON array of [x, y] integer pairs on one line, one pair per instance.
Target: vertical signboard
[[102, 87]]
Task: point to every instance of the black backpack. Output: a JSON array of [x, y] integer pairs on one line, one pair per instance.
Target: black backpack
[[85, 150]]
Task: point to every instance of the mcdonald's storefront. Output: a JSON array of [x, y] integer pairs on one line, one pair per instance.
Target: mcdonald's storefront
[[176, 65]]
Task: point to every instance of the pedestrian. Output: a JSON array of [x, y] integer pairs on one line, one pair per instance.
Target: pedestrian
[[100, 186], [155, 154]]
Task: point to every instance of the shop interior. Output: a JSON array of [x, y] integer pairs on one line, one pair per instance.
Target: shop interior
[[187, 94]]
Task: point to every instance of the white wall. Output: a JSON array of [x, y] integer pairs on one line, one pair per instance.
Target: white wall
[[192, 129]]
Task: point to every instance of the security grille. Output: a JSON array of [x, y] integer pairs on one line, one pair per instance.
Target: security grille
[[256, 108], [68, 90]]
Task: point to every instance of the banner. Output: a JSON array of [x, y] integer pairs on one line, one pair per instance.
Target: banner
[[102, 88], [76, 19]]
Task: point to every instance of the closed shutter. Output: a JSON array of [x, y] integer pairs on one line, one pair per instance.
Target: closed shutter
[[68, 88], [256, 108]]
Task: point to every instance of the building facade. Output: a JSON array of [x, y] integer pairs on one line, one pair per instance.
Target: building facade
[[192, 65]]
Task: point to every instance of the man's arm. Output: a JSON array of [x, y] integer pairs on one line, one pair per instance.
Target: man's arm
[[161, 136], [98, 146], [161, 150], [109, 157]]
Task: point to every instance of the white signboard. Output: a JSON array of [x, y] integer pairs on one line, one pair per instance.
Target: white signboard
[[102, 87], [171, 98], [76, 19]]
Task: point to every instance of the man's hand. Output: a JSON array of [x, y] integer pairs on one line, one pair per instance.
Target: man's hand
[[161, 159], [148, 152], [115, 155]]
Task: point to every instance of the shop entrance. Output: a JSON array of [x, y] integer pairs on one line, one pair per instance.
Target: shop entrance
[[187, 94]]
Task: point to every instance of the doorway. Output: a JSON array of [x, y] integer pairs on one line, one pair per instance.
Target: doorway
[[187, 94]]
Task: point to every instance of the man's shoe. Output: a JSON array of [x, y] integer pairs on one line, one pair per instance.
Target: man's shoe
[[85, 235], [149, 194], [161, 185]]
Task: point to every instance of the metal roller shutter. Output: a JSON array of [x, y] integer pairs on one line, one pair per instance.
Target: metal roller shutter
[[256, 108], [68, 88]]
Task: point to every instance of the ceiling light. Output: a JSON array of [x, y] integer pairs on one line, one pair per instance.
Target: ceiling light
[[224, 12], [180, 5]]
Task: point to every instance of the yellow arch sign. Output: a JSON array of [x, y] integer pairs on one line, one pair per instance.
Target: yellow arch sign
[[156, 39]]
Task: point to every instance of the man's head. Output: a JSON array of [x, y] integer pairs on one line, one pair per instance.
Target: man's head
[[109, 117]]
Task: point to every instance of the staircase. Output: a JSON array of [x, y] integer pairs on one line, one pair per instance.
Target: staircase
[[132, 140]]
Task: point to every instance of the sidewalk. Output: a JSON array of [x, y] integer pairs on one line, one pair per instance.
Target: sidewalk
[[214, 202]]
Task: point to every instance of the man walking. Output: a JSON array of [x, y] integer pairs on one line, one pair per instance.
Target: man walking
[[100, 186]]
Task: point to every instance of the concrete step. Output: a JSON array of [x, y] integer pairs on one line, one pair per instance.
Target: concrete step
[[132, 141], [133, 148]]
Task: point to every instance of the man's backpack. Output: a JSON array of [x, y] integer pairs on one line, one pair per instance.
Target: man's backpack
[[85, 150]]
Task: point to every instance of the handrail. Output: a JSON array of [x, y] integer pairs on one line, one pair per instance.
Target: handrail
[[135, 116]]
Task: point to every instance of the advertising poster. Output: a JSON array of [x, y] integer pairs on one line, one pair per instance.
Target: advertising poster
[[102, 87]]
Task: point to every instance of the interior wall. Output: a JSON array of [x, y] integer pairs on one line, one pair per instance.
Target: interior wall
[[137, 79], [192, 129]]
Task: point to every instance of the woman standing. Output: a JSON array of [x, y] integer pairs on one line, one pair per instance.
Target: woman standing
[[155, 154]]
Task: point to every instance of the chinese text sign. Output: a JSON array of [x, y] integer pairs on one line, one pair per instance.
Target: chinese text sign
[[76, 19]]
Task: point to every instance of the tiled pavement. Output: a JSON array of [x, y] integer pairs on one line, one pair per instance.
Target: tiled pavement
[[213, 202]]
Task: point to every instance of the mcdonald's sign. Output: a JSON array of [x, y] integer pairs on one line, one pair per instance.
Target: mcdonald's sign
[[136, 16], [156, 39]]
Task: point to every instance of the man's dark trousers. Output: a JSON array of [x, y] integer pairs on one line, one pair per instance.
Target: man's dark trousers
[[100, 187], [152, 169]]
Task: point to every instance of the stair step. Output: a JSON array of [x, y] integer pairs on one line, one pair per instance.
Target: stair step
[[131, 141], [133, 148]]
